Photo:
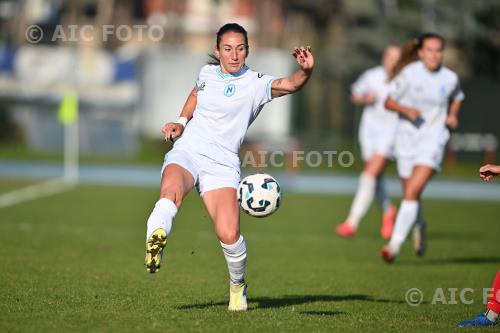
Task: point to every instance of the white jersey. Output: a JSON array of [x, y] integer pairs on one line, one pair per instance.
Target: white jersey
[[226, 106], [423, 142], [377, 129], [374, 81], [430, 93]]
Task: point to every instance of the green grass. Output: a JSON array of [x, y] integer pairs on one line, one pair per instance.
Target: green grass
[[150, 152], [74, 263]]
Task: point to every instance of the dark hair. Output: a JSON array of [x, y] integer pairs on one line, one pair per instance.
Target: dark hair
[[409, 51], [429, 35], [228, 27]]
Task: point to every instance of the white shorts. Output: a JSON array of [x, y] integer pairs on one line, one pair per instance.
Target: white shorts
[[376, 141], [413, 150], [207, 173]]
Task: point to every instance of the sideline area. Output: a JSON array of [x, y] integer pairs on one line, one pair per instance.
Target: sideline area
[[313, 183]]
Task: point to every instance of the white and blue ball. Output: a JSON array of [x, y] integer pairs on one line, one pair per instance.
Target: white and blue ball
[[259, 195]]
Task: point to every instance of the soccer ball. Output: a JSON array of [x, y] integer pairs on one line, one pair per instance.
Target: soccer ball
[[259, 195]]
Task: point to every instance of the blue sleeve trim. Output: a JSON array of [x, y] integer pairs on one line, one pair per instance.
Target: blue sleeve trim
[[268, 89], [459, 97]]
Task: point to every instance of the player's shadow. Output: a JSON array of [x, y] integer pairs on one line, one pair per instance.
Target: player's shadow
[[322, 313], [290, 300], [454, 235]]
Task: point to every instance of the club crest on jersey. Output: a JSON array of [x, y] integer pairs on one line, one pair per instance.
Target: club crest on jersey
[[442, 91], [229, 90]]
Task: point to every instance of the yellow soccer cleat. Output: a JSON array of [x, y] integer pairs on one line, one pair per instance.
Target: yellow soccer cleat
[[237, 297], [154, 248]]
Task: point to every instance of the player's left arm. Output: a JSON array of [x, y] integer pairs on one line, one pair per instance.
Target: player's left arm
[[452, 120], [294, 82], [457, 96]]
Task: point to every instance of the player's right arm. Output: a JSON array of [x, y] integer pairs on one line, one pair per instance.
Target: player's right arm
[[361, 93], [363, 99], [400, 86], [488, 171], [172, 131], [410, 113]]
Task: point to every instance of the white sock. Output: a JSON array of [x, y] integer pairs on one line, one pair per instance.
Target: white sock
[[406, 218], [381, 195], [161, 216], [492, 316], [236, 258], [362, 199]]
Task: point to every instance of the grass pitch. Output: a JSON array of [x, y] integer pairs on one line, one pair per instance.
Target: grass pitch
[[74, 263]]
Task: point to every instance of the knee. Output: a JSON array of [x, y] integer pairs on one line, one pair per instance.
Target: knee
[[374, 169], [173, 191], [371, 172], [412, 193], [229, 236]]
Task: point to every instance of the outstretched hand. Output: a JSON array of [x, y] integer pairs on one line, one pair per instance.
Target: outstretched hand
[[172, 131], [304, 57], [488, 171]]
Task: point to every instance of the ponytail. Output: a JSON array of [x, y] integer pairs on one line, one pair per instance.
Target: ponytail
[[409, 54], [213, 60]]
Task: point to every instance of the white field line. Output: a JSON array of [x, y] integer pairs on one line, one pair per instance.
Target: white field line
[[36, 191]]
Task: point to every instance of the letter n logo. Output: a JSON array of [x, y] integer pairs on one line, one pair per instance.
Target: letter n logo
[[229, 90]]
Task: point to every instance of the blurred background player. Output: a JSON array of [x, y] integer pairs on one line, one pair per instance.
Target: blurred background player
[[490, 316], [377, 131], [227, 98], [427, 96]]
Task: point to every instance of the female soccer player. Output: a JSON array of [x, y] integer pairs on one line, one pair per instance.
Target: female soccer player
[[427, 96], [226, 99], [490, 316], [377, 131]]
